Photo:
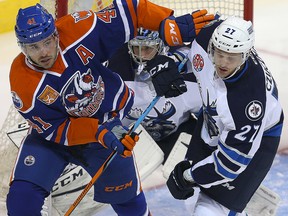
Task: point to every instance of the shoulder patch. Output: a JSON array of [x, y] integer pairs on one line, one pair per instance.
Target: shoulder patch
[[48, 95], [198, 62], [16, 100], [81, 15], [254, 110]]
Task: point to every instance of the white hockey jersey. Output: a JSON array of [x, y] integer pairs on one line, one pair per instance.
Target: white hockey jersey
[[237, 114], [238, 130]]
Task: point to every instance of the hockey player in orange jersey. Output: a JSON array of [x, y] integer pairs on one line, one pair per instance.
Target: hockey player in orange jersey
[[74, 104]]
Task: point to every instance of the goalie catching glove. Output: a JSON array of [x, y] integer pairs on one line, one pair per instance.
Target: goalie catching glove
[[166, 79], [113, 135], [176, 183], [175, 31]]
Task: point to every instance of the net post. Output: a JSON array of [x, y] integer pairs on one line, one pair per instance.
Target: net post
[[248, 10], [61, 8]]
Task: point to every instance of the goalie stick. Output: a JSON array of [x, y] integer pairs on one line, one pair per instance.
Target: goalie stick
[[264, 202]]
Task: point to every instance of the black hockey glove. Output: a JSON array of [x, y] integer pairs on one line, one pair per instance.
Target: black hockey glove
[[166, 79], [177, 185]]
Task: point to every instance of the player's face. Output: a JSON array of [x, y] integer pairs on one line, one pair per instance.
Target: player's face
[[43, 53], [145, 53], [226, 63]]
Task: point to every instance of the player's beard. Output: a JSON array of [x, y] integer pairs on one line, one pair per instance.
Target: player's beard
[[51, 61]]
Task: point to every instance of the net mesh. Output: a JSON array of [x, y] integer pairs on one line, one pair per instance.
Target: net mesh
[[224, 7], [8, 149]]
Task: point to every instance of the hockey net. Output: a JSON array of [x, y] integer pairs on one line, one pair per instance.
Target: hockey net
[[241, 8], [8, 149]]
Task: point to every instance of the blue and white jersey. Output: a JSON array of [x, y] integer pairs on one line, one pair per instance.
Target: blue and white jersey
[[237, 114]]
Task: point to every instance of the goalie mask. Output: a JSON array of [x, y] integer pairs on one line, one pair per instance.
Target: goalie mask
[[231, 41], [145, 46]]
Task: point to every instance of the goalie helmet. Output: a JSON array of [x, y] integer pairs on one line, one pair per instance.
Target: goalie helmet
[[33, 24], [145, 46]]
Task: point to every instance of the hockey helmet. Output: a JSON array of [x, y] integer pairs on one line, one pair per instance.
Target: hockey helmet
[[145, 39], [33, 24], [234, 35]]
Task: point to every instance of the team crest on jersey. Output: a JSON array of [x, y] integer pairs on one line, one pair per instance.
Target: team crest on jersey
[[78, 16], [254, 110], [82, 96], [16, 100], [29, 160], [158, 126], [48, 95], [198, 62]]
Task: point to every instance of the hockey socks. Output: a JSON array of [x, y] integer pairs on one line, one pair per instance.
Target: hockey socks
[[134, 207], [25, 199]]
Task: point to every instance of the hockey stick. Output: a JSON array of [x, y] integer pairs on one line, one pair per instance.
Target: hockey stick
[[109, 160], [113, 154]]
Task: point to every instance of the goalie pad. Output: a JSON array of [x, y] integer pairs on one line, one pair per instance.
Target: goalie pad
[[263, 202], [177, 153], [147, 153], [48, 209], [17, 133]]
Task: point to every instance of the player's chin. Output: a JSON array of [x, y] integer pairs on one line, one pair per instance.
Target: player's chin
[[222, 73], [46, 64]]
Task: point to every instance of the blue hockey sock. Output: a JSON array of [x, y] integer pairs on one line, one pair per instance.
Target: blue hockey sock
[[25, 199], [134, 207]]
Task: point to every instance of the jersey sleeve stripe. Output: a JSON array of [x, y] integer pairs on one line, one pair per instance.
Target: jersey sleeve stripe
[[59, 132], [124, 19], [150, 15], [125, 98], [222, 170], [132, 9], [234, 155]]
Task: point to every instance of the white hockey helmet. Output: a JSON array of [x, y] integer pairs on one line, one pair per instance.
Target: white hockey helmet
[[234, 35]]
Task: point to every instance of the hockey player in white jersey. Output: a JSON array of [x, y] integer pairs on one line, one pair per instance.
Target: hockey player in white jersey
[[238, 132]]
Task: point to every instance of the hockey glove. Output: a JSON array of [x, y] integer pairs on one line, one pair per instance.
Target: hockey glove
[[166, 79], [177, 185], [113, 135], [175, 31]]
